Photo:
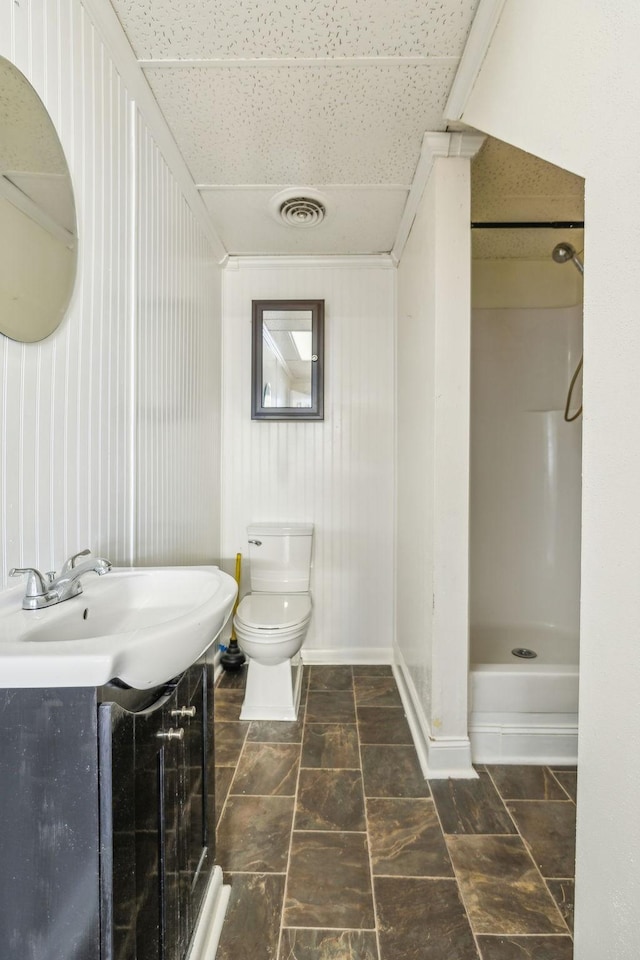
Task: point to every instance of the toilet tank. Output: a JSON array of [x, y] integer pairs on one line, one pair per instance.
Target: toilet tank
[[280, 555]]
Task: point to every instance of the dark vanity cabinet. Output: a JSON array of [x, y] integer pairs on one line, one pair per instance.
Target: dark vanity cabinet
[[106, 820]]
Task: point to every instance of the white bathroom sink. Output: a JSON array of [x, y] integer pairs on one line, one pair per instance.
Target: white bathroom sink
[[141, 625]]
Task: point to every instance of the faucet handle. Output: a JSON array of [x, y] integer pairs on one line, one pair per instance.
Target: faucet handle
[[71, 562], [36, 586]]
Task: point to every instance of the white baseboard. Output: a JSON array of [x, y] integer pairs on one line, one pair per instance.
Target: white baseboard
[[440, 758], [207, 933], [529, 739], [347, 655]]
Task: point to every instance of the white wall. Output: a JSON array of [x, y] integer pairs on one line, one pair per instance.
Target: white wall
[[433, 348], [178, 349], [563, 82], [78, 465], [337, 473]]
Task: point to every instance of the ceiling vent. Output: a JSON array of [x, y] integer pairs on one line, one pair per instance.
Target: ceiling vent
[[299, 207]]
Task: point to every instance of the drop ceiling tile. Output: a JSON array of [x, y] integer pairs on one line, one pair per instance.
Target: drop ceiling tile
[[359, 221], [501, 171], [509, 184], [302, 124], [212, 29]]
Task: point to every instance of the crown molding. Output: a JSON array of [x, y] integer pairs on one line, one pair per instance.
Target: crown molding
[[366, 261], [434, 145], [456, 144], [480, 36]]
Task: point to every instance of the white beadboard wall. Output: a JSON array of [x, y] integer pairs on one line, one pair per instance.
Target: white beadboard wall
[[70, 457], [178, 380], [338, 473]]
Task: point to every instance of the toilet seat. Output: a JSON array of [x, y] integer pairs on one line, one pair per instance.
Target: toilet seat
[[271, 613]]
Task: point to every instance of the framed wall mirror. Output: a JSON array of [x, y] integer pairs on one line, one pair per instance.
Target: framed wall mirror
[[287, 360]]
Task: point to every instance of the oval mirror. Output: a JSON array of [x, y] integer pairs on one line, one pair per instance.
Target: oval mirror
[[38, 237]]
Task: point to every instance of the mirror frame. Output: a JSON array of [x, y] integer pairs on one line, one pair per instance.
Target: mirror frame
[[258, 410]]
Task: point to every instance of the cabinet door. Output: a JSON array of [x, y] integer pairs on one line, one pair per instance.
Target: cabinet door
[[194, 824], [49, 862], [159, 759], [157, 823], [117, 833]]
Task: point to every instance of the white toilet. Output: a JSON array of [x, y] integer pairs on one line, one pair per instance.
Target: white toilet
[[272, 621]]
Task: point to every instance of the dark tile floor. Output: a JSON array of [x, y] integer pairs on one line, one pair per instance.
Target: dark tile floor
[[337, 849]]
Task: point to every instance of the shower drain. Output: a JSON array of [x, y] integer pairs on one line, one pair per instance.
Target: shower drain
[[524, 653]]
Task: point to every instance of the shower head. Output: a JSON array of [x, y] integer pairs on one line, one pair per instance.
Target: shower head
[[563, 252]]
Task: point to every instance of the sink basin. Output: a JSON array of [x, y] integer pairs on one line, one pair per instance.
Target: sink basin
[[141, 625]]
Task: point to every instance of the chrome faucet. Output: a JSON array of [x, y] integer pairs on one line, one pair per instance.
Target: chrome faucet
[[44, 590]]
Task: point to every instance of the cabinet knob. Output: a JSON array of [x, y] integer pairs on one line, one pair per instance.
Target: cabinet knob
[[171, 734], [184, 712]]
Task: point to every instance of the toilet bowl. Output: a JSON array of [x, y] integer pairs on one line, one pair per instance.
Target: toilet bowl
[[272, 621], [271, 628]]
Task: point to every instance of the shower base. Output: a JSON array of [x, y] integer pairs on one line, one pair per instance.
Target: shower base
[[523, 710]]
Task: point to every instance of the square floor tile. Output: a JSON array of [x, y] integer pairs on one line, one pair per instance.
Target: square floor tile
[[330, 678], [568, 780], [406, 839], [549, 829], [253, 834], [328, 945], [329, 882], [422, 920], [502, 890], [525, 948], [330, 745], [330, 800], [562, 892], [372, 691], [372, 670], [471, 806], [227, 703], [229, 740], [522, 782], [275, 731], [267, 769], [383, 725], [251, 928], [392, 770], [325, 706]]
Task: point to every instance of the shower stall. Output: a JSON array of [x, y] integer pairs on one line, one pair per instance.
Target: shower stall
[[525, 508]]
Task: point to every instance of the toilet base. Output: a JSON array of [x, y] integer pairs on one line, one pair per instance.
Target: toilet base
[[273, 692]]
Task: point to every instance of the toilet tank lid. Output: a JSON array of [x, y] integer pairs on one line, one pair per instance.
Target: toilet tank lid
[[280, 529]]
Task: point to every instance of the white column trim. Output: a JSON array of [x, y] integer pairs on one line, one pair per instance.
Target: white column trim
[[439, 758], [110, 29], [480, 36], [434, 144]]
